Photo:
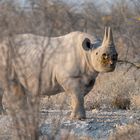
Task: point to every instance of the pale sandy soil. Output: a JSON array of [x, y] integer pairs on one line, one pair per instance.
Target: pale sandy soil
[[98, 125]]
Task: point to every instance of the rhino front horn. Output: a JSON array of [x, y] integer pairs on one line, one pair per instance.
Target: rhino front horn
[[105, 36]]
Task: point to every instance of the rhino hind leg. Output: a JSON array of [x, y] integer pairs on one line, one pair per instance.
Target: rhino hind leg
[[14, 98]]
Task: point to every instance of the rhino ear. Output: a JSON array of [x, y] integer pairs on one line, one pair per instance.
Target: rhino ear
[[86, 44]]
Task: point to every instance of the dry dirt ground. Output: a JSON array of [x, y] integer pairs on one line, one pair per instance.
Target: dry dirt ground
[[98, 125]]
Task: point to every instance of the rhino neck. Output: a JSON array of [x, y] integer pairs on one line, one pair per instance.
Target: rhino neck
[[90, 67], [84, 57], [86, 64]]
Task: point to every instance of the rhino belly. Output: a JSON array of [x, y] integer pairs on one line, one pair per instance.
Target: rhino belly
[[52, 90]]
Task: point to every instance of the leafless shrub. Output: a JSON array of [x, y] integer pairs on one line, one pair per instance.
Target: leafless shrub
[[16, 96]]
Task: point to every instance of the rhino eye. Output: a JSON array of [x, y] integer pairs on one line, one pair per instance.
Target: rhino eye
[[86, 44]]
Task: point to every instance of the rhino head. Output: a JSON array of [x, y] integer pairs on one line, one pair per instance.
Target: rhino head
[[102, 58]]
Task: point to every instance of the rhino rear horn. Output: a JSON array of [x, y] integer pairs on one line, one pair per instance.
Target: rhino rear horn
[[110, 35]]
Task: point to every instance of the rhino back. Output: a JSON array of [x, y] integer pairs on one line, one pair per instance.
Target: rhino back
[[56, 58]]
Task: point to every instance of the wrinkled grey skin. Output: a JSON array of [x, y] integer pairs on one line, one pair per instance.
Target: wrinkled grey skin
[[70, 63]]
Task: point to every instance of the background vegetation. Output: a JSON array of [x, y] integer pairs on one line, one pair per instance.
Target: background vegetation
[[117, 90]]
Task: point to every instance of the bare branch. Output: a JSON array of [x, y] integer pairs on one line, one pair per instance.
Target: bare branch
[[137, 65]]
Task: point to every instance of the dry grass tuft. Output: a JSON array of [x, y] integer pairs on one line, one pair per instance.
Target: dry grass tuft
[[121, 102], [127, 132], [66, 135]]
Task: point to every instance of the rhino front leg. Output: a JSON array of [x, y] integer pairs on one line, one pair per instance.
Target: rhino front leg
[[77, 102], [74, 87]]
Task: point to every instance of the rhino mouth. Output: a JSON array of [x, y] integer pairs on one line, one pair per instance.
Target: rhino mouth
[[109, 67], [108, 64]]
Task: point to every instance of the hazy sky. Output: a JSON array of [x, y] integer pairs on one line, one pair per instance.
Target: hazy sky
[[78, 1], [104, 5], [82, 1]]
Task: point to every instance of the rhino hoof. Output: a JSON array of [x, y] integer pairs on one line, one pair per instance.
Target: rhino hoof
[[78, 116]]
